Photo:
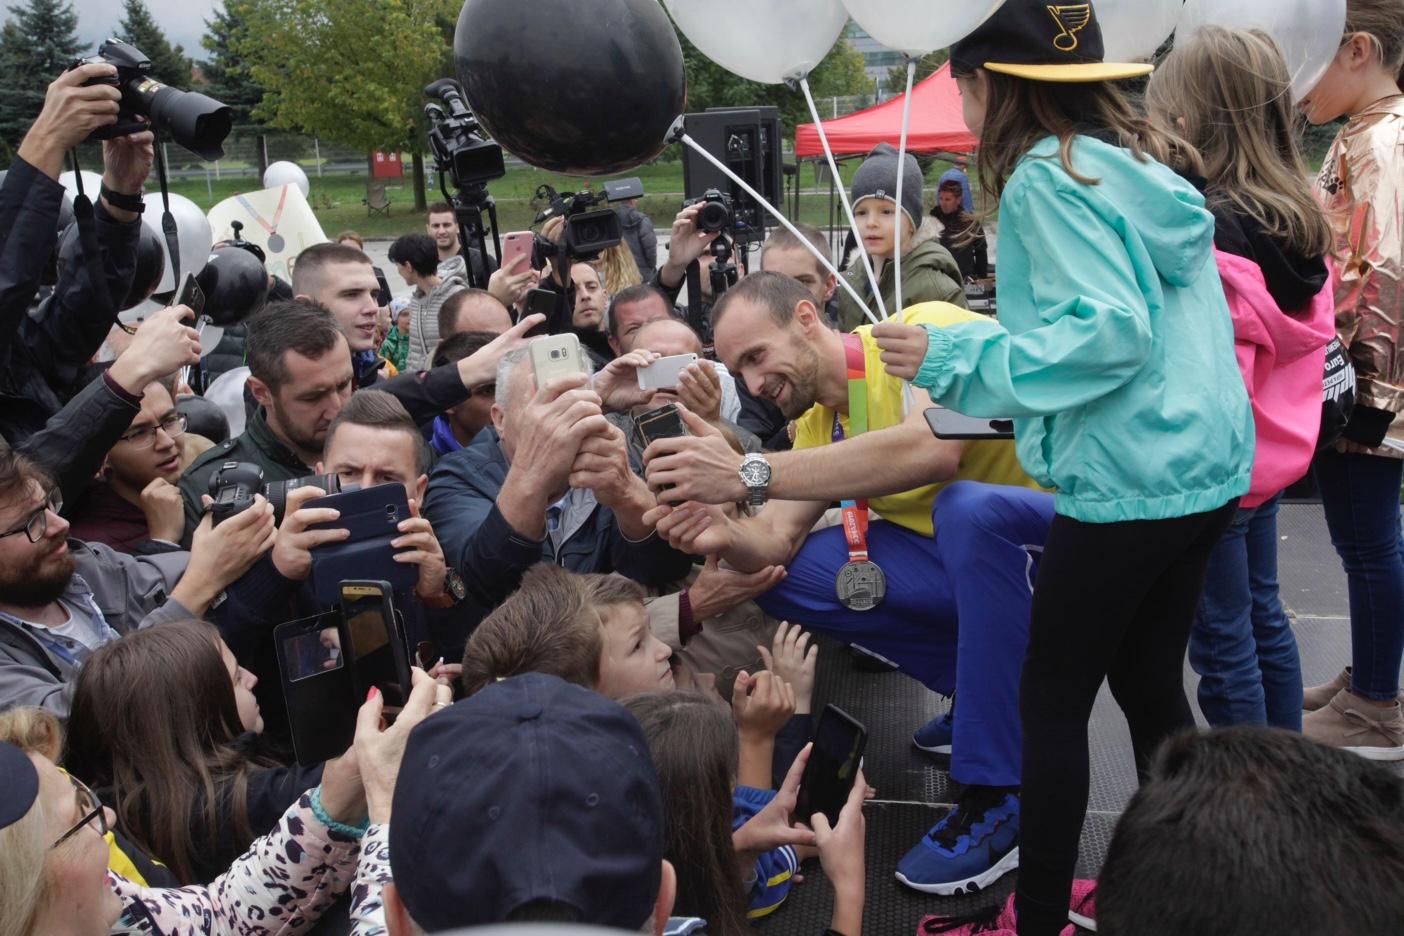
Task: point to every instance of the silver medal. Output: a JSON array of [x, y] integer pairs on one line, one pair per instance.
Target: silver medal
[[860, 585]]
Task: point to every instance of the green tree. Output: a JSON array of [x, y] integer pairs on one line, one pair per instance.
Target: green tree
[[38, 41], [138, 28], [709, 85], [226, 72], [325, 70], [896, 80]]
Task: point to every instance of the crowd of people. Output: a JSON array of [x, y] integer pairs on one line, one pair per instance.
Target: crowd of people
[[615, 637]]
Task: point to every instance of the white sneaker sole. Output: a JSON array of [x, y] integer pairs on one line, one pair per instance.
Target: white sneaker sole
[[938, 749], [1377, 753], [970, 885]]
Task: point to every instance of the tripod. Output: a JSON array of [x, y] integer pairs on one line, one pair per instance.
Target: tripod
[[469, 206]]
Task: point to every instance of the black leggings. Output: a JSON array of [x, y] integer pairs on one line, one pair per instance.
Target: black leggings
[[1113, 601]]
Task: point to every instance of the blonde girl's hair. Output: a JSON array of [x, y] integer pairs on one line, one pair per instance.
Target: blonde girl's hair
[[1019, 113], [618, 269], [1229, 92], [1383, 22], [24, 845]]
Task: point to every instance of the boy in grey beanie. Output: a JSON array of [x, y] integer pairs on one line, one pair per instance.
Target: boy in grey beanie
[[929, 272]]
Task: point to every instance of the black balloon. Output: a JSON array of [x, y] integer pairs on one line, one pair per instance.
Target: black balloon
[[150, 267], [235, 285], [204, 418], [581, 88]]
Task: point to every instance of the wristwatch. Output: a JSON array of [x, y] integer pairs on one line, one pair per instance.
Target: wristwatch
[[453, 592], [755, 474], [122, 200]]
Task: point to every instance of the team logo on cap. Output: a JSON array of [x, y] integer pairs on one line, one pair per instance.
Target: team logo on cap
[[1071, 19]]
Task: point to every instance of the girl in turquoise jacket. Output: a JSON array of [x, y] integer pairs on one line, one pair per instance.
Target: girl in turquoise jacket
[[1114, 352]]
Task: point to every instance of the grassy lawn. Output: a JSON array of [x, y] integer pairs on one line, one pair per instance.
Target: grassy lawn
[[337, 198]]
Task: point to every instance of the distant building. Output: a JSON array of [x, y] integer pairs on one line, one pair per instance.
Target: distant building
[[877, 58]]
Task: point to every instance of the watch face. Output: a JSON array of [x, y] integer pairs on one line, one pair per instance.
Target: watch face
[[453, 584], [755, 473]]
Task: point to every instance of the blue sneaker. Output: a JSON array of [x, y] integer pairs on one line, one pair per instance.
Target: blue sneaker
[[974, 845], [934, 737]]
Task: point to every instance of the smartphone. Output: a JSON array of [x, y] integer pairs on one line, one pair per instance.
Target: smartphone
[[948, 424], [663, 373], [555, 356], [191, 295], [539, 302], [514, 245], [317, 686], [375, 646], [839, 742], [373, 516], [665, 422]]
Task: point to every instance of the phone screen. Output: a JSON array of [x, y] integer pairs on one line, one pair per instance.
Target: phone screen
[[373, 656], [833, 765], [312, 652], [662, 423]]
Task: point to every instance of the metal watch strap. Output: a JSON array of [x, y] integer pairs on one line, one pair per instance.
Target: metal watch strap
[[124, 202]]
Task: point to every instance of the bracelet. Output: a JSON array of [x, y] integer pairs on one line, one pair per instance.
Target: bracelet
[[350, 831]]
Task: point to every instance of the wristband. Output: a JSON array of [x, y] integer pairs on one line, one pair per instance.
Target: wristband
[[350, 831], [124, 202]]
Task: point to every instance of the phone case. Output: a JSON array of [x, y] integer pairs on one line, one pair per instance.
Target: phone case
[[839, 743], [948, 424], [556, 356], [321, 702], [516, 244], [399, 652], [663, 373], [372, 515], [665, 422]]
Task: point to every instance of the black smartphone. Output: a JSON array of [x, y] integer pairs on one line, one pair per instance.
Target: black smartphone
[[839, 742], [375, 646], [317, 686], [665, 422], [191, 295], [539, 302], [948, 424]]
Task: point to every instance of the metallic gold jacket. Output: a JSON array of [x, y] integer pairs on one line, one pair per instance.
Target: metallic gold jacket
[[1361, 187]]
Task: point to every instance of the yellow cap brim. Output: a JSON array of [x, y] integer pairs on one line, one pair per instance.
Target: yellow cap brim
[[1073, 74]]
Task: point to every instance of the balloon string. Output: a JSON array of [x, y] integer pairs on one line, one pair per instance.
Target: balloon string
[[843, 196], [908, 397], [784, 221]]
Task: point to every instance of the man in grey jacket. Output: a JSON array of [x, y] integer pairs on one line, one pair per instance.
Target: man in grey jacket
[[61, 599]]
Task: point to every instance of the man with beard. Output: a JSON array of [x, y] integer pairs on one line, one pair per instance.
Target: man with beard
[[441, 224], [61, 599], [940, 585]]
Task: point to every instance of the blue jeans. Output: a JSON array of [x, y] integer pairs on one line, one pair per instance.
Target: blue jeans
[[1242, 645], [977, 570], [1361, 497]]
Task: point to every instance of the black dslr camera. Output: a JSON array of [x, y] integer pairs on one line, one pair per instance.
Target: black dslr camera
[[587, 231], [234, 484], [717, 214], [196, 122], [460, 152]]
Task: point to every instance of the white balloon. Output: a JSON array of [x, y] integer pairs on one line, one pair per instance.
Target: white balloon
[[283, 173], [91, 182], [1308, 32], [1132, 30], [917, 27], [769, 41], [227, 392], [193, 236]]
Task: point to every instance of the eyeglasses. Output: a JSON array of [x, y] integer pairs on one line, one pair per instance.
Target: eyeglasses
[[174, 425], [37, 523], [90, 810]]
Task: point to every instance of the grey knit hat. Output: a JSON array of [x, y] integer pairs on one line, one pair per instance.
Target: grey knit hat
[[877, 178]]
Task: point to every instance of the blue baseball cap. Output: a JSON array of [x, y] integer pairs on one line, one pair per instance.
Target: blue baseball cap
[[19, 784], [533, 790]]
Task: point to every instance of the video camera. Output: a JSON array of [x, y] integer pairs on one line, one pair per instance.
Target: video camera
[[587, 231], [459, 149], [234, 484], [196, 122]]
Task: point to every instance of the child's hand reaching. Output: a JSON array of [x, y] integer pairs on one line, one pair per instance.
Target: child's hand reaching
[[762, 704], [775, 825], [793, 659], [903, 348]]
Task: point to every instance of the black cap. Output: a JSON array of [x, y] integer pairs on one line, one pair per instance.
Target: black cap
[[1042, 42], [19, 784], [532, 790]]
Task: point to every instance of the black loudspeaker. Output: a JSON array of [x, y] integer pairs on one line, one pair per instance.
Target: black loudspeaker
[[748, 141]]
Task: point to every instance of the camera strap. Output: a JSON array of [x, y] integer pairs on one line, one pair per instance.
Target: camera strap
[[168, 224], [860, 584], [84, 217]]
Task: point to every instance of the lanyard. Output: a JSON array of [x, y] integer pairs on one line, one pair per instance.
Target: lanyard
[[855, 512]]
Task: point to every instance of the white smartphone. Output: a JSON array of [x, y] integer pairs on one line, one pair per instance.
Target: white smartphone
[[555, 356], [663, 373]]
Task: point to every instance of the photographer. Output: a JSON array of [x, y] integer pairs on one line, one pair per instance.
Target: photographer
[[60, 599], [41, 353], [549, 480]]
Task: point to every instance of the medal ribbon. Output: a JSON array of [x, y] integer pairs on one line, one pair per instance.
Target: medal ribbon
[[277, 214], [855, 512]]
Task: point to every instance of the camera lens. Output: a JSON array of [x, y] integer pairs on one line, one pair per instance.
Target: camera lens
[[277, 491], [714, 217]]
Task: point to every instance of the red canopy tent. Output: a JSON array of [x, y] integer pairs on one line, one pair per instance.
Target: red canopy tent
[[936, 124]]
